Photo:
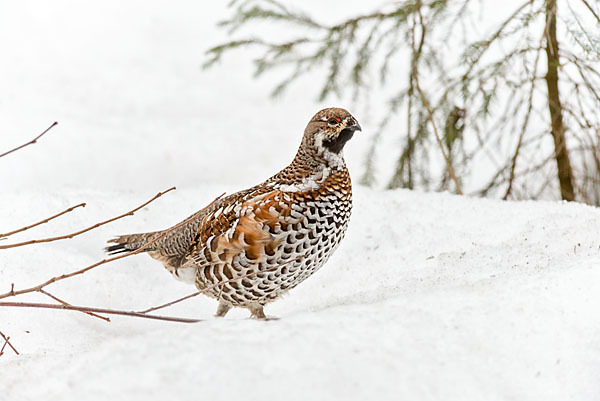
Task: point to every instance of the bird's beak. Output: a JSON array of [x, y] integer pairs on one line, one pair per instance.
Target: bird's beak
[[355, 127]]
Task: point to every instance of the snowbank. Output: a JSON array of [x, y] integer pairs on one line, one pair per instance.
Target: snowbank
[[431, 296]]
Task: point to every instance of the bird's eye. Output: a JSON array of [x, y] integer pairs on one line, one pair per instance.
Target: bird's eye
[[334, 120]]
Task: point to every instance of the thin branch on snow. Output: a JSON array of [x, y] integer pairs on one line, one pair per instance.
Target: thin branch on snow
[[38, 287], [3, 236], [63, 305], [142, 314], [7, 342], [68, 236], [34, 140], [71, 306], [87, 309]]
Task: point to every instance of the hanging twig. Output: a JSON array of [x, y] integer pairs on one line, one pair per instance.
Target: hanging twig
[[97, 310], [34, 140], [130, 213], [428, 107], [526, 121], [2, 236]]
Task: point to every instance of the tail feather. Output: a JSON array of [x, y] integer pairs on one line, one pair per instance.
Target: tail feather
[[129, 243], [116, 249]]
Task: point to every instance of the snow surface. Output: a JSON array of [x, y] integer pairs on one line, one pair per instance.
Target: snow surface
[[429, 297]]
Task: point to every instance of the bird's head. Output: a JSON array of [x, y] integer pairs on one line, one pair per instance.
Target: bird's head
[[327, 133]]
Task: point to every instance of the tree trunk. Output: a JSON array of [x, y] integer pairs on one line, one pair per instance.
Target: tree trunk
[[565, 173]]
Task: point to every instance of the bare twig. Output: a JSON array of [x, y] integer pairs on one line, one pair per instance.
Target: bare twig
[[581, 193], [219, 284], [591, 10], [91, 310], [41, 222], [130, 213], [12, 292], [34, 140], [7, 342], [526, 121], [97, 310], [67, 304]]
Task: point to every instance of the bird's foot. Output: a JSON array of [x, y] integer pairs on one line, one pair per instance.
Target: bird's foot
[[222, 309], [257, 312]]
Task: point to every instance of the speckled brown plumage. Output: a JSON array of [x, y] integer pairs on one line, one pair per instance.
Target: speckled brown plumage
[[273, 235]]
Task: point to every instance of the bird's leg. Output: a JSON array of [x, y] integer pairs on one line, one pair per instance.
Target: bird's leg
[[222, 309], [258, 312]]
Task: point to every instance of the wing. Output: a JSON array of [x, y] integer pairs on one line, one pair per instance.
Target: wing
[[244, 230]]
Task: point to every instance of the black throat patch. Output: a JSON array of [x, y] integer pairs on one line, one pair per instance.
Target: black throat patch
[[337, 144]]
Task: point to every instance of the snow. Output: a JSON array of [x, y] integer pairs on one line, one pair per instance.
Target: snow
[[430, 296]]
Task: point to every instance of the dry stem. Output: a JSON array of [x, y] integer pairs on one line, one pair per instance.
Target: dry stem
[[98, 310], [526, 122], [2, 236], [34, 140], [130, 213], [7, 342], [437, 136], [37, 288], [69, 305], [427, 105], [90, 310]]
